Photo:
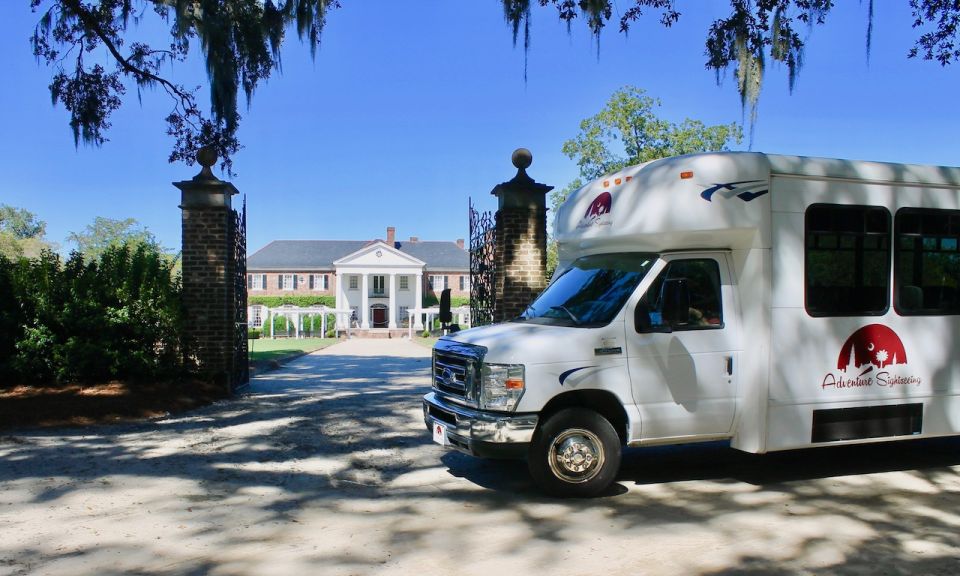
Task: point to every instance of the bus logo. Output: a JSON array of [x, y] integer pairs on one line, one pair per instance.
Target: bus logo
[[595, 213], [870, 358]]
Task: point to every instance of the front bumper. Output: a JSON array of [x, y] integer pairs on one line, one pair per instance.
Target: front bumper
[[483, 434]]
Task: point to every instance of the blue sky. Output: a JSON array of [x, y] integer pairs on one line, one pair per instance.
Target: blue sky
[[411, 108]]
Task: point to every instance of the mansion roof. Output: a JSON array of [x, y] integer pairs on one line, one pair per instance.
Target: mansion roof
[[307, 255]]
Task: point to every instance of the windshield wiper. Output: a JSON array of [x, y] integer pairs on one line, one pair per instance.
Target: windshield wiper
[[576, 321], [522, 317]]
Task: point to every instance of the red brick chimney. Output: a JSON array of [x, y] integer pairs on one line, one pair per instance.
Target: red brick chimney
[[391, 235], [460, 243]]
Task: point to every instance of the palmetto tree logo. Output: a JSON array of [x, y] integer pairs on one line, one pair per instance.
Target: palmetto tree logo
[[873, 346]]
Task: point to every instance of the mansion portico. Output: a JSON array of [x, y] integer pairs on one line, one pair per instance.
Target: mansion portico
[[379, 280]]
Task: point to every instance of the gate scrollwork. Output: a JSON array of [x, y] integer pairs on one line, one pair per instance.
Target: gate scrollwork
[[482, 243], [240, 374]]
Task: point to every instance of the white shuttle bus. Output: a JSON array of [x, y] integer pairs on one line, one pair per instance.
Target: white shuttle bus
[[776, 301]]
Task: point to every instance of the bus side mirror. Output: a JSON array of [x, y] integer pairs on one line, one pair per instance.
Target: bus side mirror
[[641, 317], [676, 302], [642, 323]]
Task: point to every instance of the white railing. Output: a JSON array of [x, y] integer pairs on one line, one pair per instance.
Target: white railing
[[295, 314], [462, 313]]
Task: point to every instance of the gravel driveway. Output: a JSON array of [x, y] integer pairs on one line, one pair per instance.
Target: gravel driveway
[[325, 468]]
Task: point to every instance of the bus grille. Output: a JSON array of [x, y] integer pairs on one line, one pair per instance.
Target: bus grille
[[455, 375]]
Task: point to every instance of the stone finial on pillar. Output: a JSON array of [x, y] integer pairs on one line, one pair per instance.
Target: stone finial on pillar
[[209, 266], [520, 255], [205, 189]]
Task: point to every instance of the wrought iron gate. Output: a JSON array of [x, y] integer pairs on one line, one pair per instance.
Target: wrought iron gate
[[482, 243], [240, 375]]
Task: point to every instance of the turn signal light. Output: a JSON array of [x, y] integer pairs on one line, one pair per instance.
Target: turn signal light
[[686, 175], [513, 384]]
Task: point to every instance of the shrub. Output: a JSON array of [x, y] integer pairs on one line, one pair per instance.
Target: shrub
[[313, 323], [119, 317], [253, 333], [11, 318], [281, 325]]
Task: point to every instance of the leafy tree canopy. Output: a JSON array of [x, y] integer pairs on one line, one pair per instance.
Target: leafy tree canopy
[[629, 122], [107, 233], [755, 33], [240, 41], [20, 223], [21, 233], [628, 131]]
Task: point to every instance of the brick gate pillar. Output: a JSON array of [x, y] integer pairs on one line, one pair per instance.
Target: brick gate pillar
[[208, 271], [520, 256]]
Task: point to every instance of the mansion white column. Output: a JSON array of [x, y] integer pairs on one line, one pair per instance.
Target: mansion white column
[[339, 279], [373, 263], [392, 304], [365, 302], [418, 303]]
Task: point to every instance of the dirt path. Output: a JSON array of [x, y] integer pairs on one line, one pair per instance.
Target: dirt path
[[325, 468]]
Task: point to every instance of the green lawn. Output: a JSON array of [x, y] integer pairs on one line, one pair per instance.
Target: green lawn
[[265, 349]]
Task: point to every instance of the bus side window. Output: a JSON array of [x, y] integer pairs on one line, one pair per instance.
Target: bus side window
[[701, 278]]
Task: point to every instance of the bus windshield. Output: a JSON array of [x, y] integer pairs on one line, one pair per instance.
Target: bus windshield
[[591, 292]]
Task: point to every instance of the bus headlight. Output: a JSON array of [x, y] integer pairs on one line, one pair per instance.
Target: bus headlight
[[501, 386]]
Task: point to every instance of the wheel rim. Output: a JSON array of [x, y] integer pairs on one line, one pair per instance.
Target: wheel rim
[[576, 455]]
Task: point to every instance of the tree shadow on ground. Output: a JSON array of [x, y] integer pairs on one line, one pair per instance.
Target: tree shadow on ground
[[326, 466]]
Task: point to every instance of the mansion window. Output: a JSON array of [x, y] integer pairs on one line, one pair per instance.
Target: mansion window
[[464, 283], [378, 285], [257, 281], [437, 283], [319, 282], [288, 281], [354, 283], [404, 282]]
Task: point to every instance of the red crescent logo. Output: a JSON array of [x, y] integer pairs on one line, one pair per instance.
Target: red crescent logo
[[874, 344]]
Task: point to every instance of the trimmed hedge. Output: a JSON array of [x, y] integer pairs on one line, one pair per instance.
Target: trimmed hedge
[[455, 301], [429, 299], [301, 301]]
